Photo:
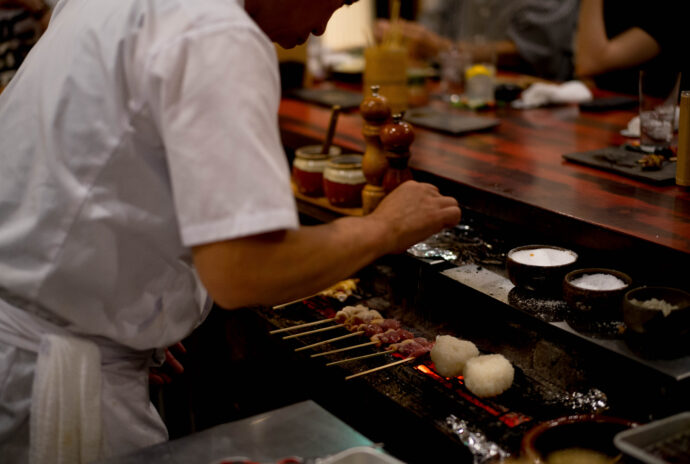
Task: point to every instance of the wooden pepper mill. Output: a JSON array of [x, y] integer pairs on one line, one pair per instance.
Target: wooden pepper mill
[[376, 112], [396, 138]]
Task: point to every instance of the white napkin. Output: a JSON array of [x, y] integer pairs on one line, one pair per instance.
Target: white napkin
[[542, 94], [65, 416]]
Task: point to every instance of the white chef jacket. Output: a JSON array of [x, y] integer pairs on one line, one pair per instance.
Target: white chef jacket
[[134, 130]]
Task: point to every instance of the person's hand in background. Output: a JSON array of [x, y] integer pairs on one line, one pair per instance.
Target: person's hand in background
[[171, 367]]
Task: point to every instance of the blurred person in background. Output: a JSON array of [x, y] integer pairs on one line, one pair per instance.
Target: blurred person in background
[[616, 38], [528, 36], [21, 24]]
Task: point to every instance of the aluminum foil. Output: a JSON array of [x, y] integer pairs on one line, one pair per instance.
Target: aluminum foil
[[594, 401], [458, 245], [483, 450]]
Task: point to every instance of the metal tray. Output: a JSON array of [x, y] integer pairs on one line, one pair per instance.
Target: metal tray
[[359, 455], [664, 441]]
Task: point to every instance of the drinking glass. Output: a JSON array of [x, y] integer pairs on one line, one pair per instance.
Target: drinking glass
[[658, 100]]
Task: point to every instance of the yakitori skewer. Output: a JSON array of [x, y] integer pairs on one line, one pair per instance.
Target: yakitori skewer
[[411, 348], [347, 348], [349, 315], [385, 366], [356, 358], [306, 347], [382, 338], [340, 291], [309, 332], [301, 326], [283, 305]]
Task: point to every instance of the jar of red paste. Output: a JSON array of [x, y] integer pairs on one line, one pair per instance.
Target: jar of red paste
[[308, 167], [343, 181]]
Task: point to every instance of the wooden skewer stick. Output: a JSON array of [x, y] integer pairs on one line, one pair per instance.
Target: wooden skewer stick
[[395, 363], [329, 340], [313, 331], [324, 353], [364, 356], [300, 326], [282, 305]]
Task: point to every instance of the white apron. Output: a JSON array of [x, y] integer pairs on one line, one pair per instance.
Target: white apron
[[89, 398]]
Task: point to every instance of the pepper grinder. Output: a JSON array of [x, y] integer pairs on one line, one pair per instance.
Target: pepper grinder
[[376, 112], [396, 138]]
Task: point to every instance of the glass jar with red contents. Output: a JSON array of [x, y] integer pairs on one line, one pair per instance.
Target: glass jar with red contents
[[308, 167], [343, 181]]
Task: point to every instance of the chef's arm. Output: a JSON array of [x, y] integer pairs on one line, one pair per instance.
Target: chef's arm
[[277, 267], [595, 53]]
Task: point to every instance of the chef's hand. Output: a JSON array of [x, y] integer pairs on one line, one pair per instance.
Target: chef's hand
[[171, 366], [414, 211]]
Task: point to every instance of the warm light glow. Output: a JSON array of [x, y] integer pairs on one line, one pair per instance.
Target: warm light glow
[[509, 418], [351, 27]]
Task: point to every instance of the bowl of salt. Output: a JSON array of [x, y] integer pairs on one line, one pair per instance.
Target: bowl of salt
[[539, 268], [661, 313], [596, 294]]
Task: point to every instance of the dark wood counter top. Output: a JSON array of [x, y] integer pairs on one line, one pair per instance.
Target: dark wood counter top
[[516, 172]]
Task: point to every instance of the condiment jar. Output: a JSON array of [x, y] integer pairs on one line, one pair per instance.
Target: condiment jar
[[308, 167], [343, 181]]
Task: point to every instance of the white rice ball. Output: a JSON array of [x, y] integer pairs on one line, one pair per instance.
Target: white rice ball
[[488, 375], [450, 354]]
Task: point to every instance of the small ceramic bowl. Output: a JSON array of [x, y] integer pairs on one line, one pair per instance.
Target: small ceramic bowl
[[589, 436], [657, 312], [343, 181], [308, 167], [596, 294], [539, 268]]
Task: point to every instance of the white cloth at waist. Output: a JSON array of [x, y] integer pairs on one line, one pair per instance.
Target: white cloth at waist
[[129, 420]]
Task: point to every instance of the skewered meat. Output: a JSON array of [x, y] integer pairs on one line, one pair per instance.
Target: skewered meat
[[348, 311], [413, 347], [392, 336], [377, 326]]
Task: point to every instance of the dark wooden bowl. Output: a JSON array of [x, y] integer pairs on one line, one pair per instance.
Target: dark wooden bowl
[[538, 278], [586, 431], [654, 322], [595, 305]]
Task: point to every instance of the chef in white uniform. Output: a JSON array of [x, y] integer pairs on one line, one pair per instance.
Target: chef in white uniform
[[141, 169]]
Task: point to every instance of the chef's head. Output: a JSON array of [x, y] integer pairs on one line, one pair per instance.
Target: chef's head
[[289, 22]]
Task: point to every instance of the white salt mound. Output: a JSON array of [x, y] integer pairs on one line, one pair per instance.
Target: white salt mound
[[598, 282], [654, 303], [543, 257], [450, 354], [488, 375]]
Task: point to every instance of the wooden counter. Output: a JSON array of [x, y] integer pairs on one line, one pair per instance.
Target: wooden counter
[[515, 172]]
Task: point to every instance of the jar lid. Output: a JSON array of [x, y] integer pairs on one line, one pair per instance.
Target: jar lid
[[313, 152], [346, 162]]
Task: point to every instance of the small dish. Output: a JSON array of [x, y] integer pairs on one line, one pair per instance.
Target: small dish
[[657, 316], [589, 436], [539, 267], [596, 294]]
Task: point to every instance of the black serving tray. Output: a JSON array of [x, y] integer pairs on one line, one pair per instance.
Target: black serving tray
[[623, 161]]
